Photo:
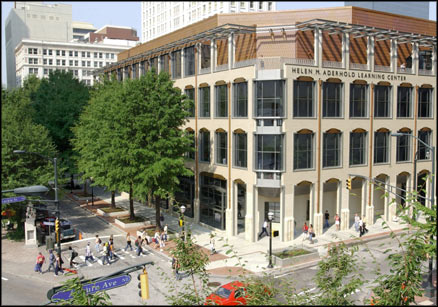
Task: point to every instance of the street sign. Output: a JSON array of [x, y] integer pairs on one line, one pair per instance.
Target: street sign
[[91, 288], [15, 199]]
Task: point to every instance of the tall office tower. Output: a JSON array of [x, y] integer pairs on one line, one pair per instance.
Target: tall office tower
[[35, 20], [419, 9], [160, 18]]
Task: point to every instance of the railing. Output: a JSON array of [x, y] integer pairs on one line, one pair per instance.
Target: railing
[[332, 64], [221, 67], [245, 63], [425, 72], [205, 70], [269, 63], [404, 70], [358, 66], [294, 61], [382, 68]]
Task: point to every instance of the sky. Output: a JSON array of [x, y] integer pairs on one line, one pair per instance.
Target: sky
[[128, 14]]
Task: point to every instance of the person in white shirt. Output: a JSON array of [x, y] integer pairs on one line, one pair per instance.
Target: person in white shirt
[[264, 229], [88, 254], [356, 222]]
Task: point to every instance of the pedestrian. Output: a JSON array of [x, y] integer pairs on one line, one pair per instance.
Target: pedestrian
[[337, 222], [364, 226], [73, 255], [305, 228], [212, 248], [138, 243], [128, 241], [264, 231], [311, 234], [106, 253], [162, 241], [356, 222], [98, 242], [52, 260], [327, 217], [111, 239], [111, 250], [39, 263], [88, 254], [58, 267], [165, 232], [175, 267], [361, 227], [156, 238]]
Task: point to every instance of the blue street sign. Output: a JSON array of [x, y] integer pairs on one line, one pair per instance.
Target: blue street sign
[[15, 199], [94, 287]]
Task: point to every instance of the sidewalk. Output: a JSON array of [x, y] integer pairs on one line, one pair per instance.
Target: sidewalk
[[253, 254]]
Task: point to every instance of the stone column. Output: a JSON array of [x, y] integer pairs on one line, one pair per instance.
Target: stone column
[[393, 55], [317, 47], [370, 53], [344, 205], [182, 62], [289, 221], [346, 50], [213, 59], [231, 50], [415, 59], [231, 213], [434, 70], [250, 220], [392, 207]]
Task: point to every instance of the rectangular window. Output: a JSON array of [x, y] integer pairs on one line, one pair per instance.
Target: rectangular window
[[63, 62], [425, 102], [270, 98], [240, 149], [58, 62], [100, 55], [44, 61], [303, 150], [190, 92], [240, 99], [191, 154], [44, 51], [205, 56], [204, 102], [164, 63], [76, 63], [221, 148], [332, 99], [95, 55], [88, 54], [76, 53], [88, 63], [221, 109], [83, 54], [46, 71], [204, 147], [70, 53], [269, 152], [58, 52], [273, 207], [303, 99], [331, 150], [382, 101], [50, 62], [71, 62], [403, 148], [381, 142], [358, 148], [176, 64], [63, 52], [404, 98], [423, 150], [189, 61], [358, 100], [50, 51]]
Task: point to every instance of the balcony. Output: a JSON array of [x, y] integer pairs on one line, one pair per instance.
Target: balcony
[[332, 64], [268, 179], [382, 68], [404, 70], [425, 72], [221, 67], [358, 66], [269, 126], [205, 70]]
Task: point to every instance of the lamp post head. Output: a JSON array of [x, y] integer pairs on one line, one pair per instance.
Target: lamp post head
[[183, 209], [19, 151], [270, 216]]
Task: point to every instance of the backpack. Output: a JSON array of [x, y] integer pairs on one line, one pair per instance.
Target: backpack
[[52, 258], [100, 241], [136, 243], [74, 254]]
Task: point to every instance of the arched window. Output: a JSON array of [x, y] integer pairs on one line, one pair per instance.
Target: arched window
[[332, 144], [423, 151], [303, 149], [381, 146], [204, 146], [240, 148], [358, 147]]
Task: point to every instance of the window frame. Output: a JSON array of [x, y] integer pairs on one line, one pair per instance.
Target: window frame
[[279, 101], [363, 101], [406, 103], [429, 103], [387, 147], [221, 102], [338, 100], [221, 148], [277, 154], [362, 147], [297, 100], [237, 100], [238, 150], [202, 103], [388, 103], [307, 151], [406, 147], [338, 150], [202, 146], [422, 148]]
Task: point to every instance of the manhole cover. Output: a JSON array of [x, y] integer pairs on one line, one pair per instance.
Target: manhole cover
[[214, 284]]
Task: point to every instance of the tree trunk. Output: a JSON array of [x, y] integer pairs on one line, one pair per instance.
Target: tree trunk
[[85, 187], [113, 199], [131, 204], [157, 211], [150, 199]]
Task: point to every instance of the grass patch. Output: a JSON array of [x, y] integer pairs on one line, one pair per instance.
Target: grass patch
[[292, 253], [109, 210], [16, 235], [137, 219]]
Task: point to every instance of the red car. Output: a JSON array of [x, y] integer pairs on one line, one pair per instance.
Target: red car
[[232, 293]]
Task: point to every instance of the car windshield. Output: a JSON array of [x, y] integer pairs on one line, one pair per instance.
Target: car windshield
[[222, 292]]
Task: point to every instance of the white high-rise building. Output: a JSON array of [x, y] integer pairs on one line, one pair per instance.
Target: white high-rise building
[[160, 18]]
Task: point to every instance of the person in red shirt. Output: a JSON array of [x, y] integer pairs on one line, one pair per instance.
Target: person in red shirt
[[305, 228], [39, 263]]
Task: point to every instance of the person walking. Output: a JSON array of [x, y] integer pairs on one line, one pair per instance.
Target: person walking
[[365, 230], [356, 222], [98, 242], [264, 230], [337, 222], [128, 241], [39, 262], [175, 267], [311, 234], [361, 227], [138, 243], [88, 254], [73, 255], [58, 267], [106, 253], [52, 260], [165, 232], [162, 244], [327, 217], [161, 220], [156, 239]]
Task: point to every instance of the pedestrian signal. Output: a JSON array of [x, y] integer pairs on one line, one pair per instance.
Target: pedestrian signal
[[275, 233], [348, 184], [181, 223], [143, 285]]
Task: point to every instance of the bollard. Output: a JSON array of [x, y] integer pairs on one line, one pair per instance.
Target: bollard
[[80, 235]]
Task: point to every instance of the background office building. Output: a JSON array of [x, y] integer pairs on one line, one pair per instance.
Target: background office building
[[160, 18], [284, 113], [419, 9]]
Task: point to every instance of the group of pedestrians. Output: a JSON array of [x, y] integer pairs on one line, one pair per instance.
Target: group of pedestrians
[[360, 225], [55, 262], [337, 220]]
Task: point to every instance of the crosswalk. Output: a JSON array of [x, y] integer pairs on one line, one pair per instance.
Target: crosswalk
[[120, 254]]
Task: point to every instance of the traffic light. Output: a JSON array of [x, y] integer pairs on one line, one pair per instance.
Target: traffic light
[[348, 183], [143, 285], [57, 229], [181, 222]]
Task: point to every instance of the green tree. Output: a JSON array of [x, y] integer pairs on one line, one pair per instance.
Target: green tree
[[80, 297], [58, 102]]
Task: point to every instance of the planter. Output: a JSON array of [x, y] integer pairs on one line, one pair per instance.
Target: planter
[[132, 225], [313, 255], [117, 213]]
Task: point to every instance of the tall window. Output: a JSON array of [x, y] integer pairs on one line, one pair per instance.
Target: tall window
[[164, 63], [269, 152], [240, 149], [154, 64], [403, 146], [303, 99], [189, 61], [303, 150], [273, 207], [204, 146], [205, 56], [270, 101], [358, 148], [382, 103], [381, 146], [358, 100], [404, 99], [425, 102], [331, 149], [221, 109], [176, 64], [332, 99], [423, 151], [191, 154], [204, 102], [190, 92], [221, 148], [240, 99]]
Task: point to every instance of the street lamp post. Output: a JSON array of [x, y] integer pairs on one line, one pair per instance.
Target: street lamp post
[[92, 191], [429, 288], [183, 209], [270, 217], [54, 161]]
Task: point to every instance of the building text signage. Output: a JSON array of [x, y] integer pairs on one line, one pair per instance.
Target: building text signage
[[329, 73]]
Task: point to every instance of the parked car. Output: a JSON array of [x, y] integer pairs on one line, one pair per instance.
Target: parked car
[[67, 231], [232, 293]]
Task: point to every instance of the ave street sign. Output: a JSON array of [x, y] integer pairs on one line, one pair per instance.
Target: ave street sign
[[15, 199], [91, 288]]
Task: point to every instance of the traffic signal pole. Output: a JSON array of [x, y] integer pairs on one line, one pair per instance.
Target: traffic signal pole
[[58, 236]]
